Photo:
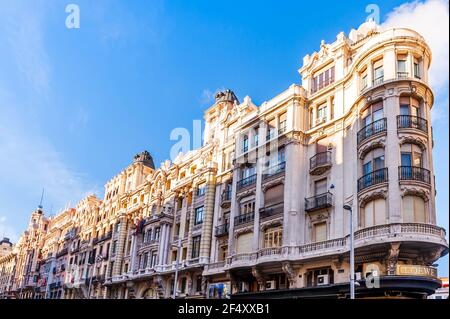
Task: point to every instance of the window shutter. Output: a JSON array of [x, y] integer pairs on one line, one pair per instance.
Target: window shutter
[[244, 243], [380, 211], [320, 232], [419, 209], [368, 215], [274, 195], [408, 209]]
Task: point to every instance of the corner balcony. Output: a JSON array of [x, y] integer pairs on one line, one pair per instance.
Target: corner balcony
[[376, 177], [413, 122], [271, 210], [246, 182], [372, 129], [318, 202], [414, 173], [320, 163], [376, 237]]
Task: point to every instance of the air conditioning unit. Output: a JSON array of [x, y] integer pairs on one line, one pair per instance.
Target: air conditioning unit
[[271, 285], [322, 280], [358, 276]]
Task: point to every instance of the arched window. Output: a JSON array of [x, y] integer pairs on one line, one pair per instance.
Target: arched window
[[413, 209], [374, 213]]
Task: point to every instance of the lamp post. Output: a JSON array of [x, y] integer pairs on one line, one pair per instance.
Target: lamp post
[[352, 254]]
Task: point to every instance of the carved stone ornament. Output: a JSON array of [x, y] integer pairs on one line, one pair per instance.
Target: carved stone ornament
[[271, 223], [375, 194], [243, 230], [416, 191], [377, 143], [391, 260], [409, 139], [290, 273]]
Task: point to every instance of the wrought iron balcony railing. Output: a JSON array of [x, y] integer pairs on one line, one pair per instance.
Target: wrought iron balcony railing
[[373, 178], [319, 202], [274, 170], [410, 121], [414, 173], [222, 230], [372, 129], [271, 210], [320, 159], [244, 218], [245, 182]]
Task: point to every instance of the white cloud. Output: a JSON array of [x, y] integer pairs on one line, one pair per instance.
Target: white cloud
[[431, 20]]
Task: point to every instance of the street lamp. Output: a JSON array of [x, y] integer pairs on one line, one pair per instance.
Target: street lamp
[[352, 254]]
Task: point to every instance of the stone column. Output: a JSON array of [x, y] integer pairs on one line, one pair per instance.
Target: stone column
[[208, 213], [233, 211], [191, 225], [259, 202], [392, 158], [294, 191], [213, 252], [162, 244], [120, 245]]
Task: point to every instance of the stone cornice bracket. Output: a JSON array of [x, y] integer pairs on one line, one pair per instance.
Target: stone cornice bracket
[[260, 277], [392, 258], [432, 256], [297, 137], [290, 273]]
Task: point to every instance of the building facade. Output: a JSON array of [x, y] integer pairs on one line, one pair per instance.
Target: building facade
[[257, 211]]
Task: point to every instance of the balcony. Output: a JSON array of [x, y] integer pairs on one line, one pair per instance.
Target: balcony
[[62, 252], [415, 122], [271, 210], [378, 80], [372, 129], [414, 173], [373, 178], [402, 75], [274, 170], [320, 163], [225, 197], [222, 230], [318, 202], [246, 182], [244, 218]]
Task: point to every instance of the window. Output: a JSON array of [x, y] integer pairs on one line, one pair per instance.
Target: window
[[201, 189], [320, 232], [248, 207], [363, 79], [153, 259], [374, 213], [401, 66], [322, 80], [274, 195], [183, 284], [413, 209], [195, 247], [411, 155], [416, 66], [270, 130], [256, 137], [321, 114], [378, 72], [157, 232], [245, 144], [282, 125], [198, 284], [198, 215], [409, 106], [145, 262], [273, 237], [320, 187], [373, 113]]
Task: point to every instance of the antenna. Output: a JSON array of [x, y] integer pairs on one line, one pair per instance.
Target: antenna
[[42, 197]]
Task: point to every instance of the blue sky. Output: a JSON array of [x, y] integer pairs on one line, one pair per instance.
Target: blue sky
[[77, 104]]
